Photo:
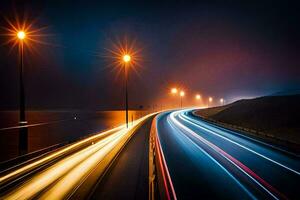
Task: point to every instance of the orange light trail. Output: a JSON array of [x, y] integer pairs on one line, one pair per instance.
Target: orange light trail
[[62, 177]]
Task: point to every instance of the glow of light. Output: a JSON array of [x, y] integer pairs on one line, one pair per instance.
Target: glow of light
[[123, 51], [215, 161], [71, 170], [210, 99], [21, 30], [221, 133], [198, 96], [126, 58], [21, 35], [174, 90], [221, 100], [182, 93], [261, 182]]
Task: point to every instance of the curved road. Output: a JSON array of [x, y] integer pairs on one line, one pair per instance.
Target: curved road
[[210, 162], [72, 171]]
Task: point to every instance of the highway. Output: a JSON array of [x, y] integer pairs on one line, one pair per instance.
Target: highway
[[128, 177], [210, 162], [70, 172]]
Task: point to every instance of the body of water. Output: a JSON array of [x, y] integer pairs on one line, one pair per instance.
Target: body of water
[[57, 127]]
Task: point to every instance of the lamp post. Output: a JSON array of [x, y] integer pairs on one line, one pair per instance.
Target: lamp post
[[126, 59], [23, 134], [181, 94], [21, 35], [174, 91], [198, 97], [210, 99], [222, 101]]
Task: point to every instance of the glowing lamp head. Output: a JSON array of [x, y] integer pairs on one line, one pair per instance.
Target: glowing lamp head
[[174, 91], [126, 58], [21, 35], [182, 93], [221, 100], [210, 99], [198, 97]]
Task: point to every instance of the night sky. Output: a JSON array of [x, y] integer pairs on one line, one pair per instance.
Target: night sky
[[230, 49]]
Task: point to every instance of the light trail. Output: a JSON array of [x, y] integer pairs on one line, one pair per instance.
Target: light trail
[[262, 183], [66, 175], [81, 171], [214, 160], [54, 155], [193, 122], [162, 162]]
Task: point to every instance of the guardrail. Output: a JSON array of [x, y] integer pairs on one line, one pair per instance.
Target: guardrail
[[160, 183]]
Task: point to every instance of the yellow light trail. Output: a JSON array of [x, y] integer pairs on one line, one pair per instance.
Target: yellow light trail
[[61, 178], [54, 155]]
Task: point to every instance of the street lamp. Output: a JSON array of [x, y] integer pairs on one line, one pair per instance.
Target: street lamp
[[21, 35], [198, 97], [222, 101], [181, 94], [23, 134], [174, 91], [126, 59], [210, 99]]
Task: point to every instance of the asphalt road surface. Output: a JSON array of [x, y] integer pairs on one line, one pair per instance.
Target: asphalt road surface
[[210, 162], [128, 177]]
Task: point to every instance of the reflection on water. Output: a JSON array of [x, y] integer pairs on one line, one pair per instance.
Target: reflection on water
[[64, 127]]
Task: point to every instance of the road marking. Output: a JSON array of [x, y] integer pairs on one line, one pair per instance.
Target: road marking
[[262, 183], [246, 148]]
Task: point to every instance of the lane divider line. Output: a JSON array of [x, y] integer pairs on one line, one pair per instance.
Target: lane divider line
[[191, 121], [213, 159], [261, 182]]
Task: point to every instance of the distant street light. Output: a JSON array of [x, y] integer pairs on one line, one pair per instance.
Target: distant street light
[[210, 100], [198, 97], [222, 101], [182, 94], [174, 91], [126, 59]]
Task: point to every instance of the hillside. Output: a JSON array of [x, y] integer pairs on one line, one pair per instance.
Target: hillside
[[277, 115]]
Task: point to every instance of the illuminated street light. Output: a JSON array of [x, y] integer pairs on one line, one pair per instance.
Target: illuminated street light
[[181, 94], [21, 35], [221, 101], [210, 100], [124, 53], [198, 96], [174, 91], [126, 58]]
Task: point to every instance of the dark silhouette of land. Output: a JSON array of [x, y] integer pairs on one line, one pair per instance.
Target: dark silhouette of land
[[275, 115]]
